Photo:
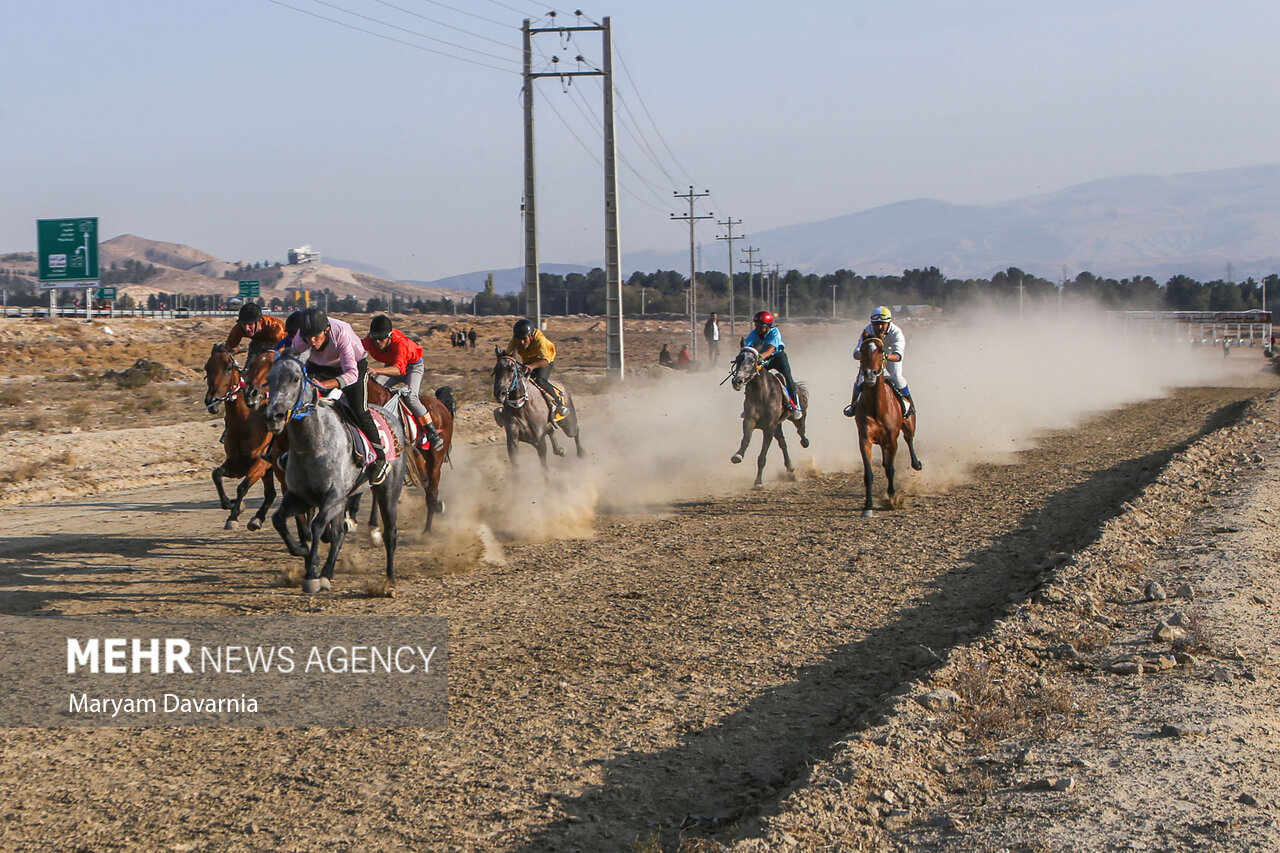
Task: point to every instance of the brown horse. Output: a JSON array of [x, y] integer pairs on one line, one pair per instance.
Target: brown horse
[[426, 462], [764, 408], [879, 417], [245, 439]]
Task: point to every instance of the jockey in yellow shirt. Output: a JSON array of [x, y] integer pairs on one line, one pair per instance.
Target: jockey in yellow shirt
[[537, 353]]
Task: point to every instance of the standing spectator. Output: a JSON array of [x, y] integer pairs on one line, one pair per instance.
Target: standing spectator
[[471, 337], [711, 331]]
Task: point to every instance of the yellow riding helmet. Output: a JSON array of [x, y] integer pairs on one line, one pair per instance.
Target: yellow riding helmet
[[882, 315]]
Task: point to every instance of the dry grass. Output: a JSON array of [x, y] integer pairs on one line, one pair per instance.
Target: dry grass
[[21, 473], [12, 397], [997, 703]]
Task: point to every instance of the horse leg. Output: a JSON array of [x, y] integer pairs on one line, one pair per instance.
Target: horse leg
[[760, 460], [289, 508], [513, 439], [868, 475], [237, 503], [800, 424], [268, 494], [748, 426], [909, 433], [429, 471], [218, 473], [328, 518], [782, 442], [555, 445], [384, 498], [541, 444], [888, 451]]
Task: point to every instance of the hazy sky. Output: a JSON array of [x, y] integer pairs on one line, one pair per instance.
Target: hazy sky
[[243, 127]]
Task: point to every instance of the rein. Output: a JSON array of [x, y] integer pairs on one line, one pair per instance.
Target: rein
[[517, 383], [235, 390], [300, 409]]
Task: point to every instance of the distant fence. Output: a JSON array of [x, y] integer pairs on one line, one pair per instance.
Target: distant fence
[[1236, 328]]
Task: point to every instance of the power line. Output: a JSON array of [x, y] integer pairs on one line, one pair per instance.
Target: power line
[[409, 31], [504, 44], [390, 38]]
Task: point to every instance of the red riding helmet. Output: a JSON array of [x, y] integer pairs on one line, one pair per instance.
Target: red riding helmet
[[764, 317]]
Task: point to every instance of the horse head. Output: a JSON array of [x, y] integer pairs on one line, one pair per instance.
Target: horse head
[[745, 367], [289, 392], [871, 360], [508, 381], [255, 378], [222, 378]]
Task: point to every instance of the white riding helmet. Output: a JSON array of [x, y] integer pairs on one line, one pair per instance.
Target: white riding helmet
[[882, 315]]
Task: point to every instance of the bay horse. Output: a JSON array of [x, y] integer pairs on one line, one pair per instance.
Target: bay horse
[[879, 417], [322, 473], [428, 463], [764, 408], [245, 439], [526, 416]]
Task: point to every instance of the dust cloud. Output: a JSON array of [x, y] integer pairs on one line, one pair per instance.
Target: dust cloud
[[986, 386]]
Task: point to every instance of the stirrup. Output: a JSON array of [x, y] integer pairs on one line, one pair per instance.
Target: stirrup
[[378, 471], [848, 411]]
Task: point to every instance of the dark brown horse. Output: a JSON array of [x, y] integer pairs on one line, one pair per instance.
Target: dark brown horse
[[525, 415], [879, 417], [764, 408], [245, 439], [427, 463]]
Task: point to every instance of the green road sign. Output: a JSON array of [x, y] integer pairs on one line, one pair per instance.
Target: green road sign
[[68, 249], [105, 293], [249, 289]]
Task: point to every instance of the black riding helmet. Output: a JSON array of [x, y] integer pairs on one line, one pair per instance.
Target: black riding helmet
[[291, 325], [522, 328], [249, 313], [380, 327], [313, 322]]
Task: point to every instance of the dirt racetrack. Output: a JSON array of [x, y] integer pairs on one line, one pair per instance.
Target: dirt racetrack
[[644, 653]]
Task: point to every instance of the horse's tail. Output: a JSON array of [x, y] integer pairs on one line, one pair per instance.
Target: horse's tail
[[445, 395]]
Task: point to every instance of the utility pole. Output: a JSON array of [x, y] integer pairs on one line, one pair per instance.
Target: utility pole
[[728, 224], [833, 300], [751, 278], [777, 282], [612, 252], [692, 218]]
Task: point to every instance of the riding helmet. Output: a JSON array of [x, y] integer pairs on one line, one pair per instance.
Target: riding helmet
[[313, 322], [250, 313], [882, 315], [380, 327], [522, 328], [764, 317], [292, 324]]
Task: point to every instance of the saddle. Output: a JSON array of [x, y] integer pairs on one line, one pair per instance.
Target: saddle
[[362, 449], [782, 383], [551, 402]]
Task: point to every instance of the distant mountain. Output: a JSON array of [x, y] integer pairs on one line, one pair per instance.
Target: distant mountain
[[504, 281], [1195, 224]]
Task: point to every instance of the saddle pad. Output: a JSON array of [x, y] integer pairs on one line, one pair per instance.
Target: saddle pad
[[363, 449], [782, 383]]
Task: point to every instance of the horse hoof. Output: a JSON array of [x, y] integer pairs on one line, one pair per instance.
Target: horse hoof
[[440, 506], [735, 458], [231, 525], [582, 454], [375, 536], [917, 465], [349, 524], [255, 524], [325, 584], [559, 451], [311, 586], [866, 513], [757, 486], [804, 442]]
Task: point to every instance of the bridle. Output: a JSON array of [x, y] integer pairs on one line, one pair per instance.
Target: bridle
[[510, 398], [308, 399], [236, 387], [869, 376], [733, 371]]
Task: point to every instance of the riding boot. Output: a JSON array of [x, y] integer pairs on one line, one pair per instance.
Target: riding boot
[[431, 437], [378, 468], [561, 410], [908, 405]]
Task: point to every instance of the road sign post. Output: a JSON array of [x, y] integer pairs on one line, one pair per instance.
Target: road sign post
[[68, 251]]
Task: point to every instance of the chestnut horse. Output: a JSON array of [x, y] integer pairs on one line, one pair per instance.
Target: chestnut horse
[[879, 417], [244, 441], [426, 462], [764, 408]]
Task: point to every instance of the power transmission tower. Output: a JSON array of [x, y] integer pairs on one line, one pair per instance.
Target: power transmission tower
[[751, 277], [612, 253], [728, 224], [693, 282]]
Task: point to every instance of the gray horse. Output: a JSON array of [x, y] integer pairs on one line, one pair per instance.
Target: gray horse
[[322, 473], [764, 408], [526, 416]]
